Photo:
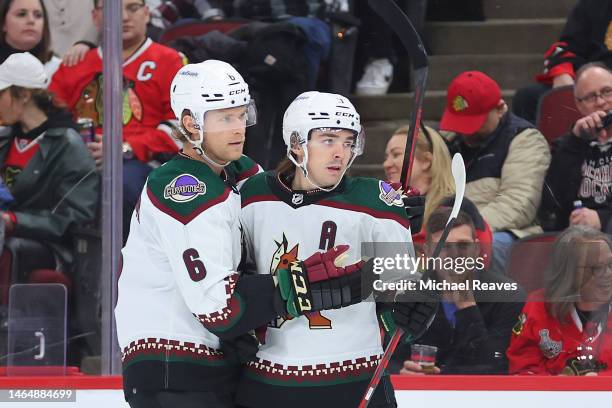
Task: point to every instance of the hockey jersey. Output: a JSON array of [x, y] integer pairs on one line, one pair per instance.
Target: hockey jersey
[[540, 344], [325, 358], [179, 272], [147, 75]]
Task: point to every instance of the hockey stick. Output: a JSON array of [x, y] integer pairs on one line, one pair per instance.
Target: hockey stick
[[393, 15], [458, 169]]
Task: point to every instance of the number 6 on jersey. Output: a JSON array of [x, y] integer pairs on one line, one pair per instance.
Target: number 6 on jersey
[[195, 267]]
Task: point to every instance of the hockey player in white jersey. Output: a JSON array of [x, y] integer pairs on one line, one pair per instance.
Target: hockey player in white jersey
[[322, 359], [180, 292]]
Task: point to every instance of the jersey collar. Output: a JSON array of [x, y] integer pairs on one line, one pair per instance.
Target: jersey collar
[[279, 185]]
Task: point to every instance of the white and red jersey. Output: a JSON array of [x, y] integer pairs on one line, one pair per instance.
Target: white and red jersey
[[147, 76], [176, 291], [326, 356]]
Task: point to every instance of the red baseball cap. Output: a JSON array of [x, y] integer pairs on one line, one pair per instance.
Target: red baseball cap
[[469, 99]]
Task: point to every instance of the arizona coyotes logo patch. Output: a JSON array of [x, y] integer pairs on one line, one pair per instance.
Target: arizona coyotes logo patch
[[184, 188], [282, 258], [390, 195], [548, 346]]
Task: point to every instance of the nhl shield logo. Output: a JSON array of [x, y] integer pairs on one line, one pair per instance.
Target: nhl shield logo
[[184, 188], [297, 199], [389, 195]]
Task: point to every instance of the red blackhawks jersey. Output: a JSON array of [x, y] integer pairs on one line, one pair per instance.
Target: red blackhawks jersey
[[19, 155], [147, 75], [540, 344], [325, 358]]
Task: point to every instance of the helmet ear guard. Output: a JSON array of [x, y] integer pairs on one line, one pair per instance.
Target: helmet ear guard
[[294, 141]]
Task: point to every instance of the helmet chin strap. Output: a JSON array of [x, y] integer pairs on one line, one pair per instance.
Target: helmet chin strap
[[202, 154], [303, 167]]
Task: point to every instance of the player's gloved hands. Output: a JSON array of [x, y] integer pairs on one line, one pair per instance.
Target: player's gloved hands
[[414, 204], [412, 311], [240, 350], [318, 283]]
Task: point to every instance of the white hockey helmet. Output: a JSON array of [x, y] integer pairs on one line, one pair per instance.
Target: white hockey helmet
[[320, 110], [207, 86]]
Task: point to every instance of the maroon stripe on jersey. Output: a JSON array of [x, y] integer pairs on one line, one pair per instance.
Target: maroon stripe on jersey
[[258, 198], [186, 219], [247, 173], [229, 315], [374, 213]]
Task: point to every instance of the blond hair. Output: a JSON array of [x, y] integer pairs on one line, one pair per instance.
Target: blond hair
[[442, 183]]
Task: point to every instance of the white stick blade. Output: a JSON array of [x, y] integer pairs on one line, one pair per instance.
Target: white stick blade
[[458, 169]]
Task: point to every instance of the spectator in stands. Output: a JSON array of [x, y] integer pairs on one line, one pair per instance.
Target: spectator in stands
[[167, 12], [25, 27], [585, 38], [306, 14], [46, 168], [565, 327], [148, 120], [431, 169], [432, 177], [378, 50], [85, 42], [472, 327], [505, 158], [580, 167], [66, 19]]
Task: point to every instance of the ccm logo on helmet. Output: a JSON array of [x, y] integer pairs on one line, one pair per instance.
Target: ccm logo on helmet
[[299, 284], [238, 91], [345, 114]]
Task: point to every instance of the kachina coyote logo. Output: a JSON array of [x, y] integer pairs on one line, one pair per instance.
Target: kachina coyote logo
[[184, 188], [281, 259]]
